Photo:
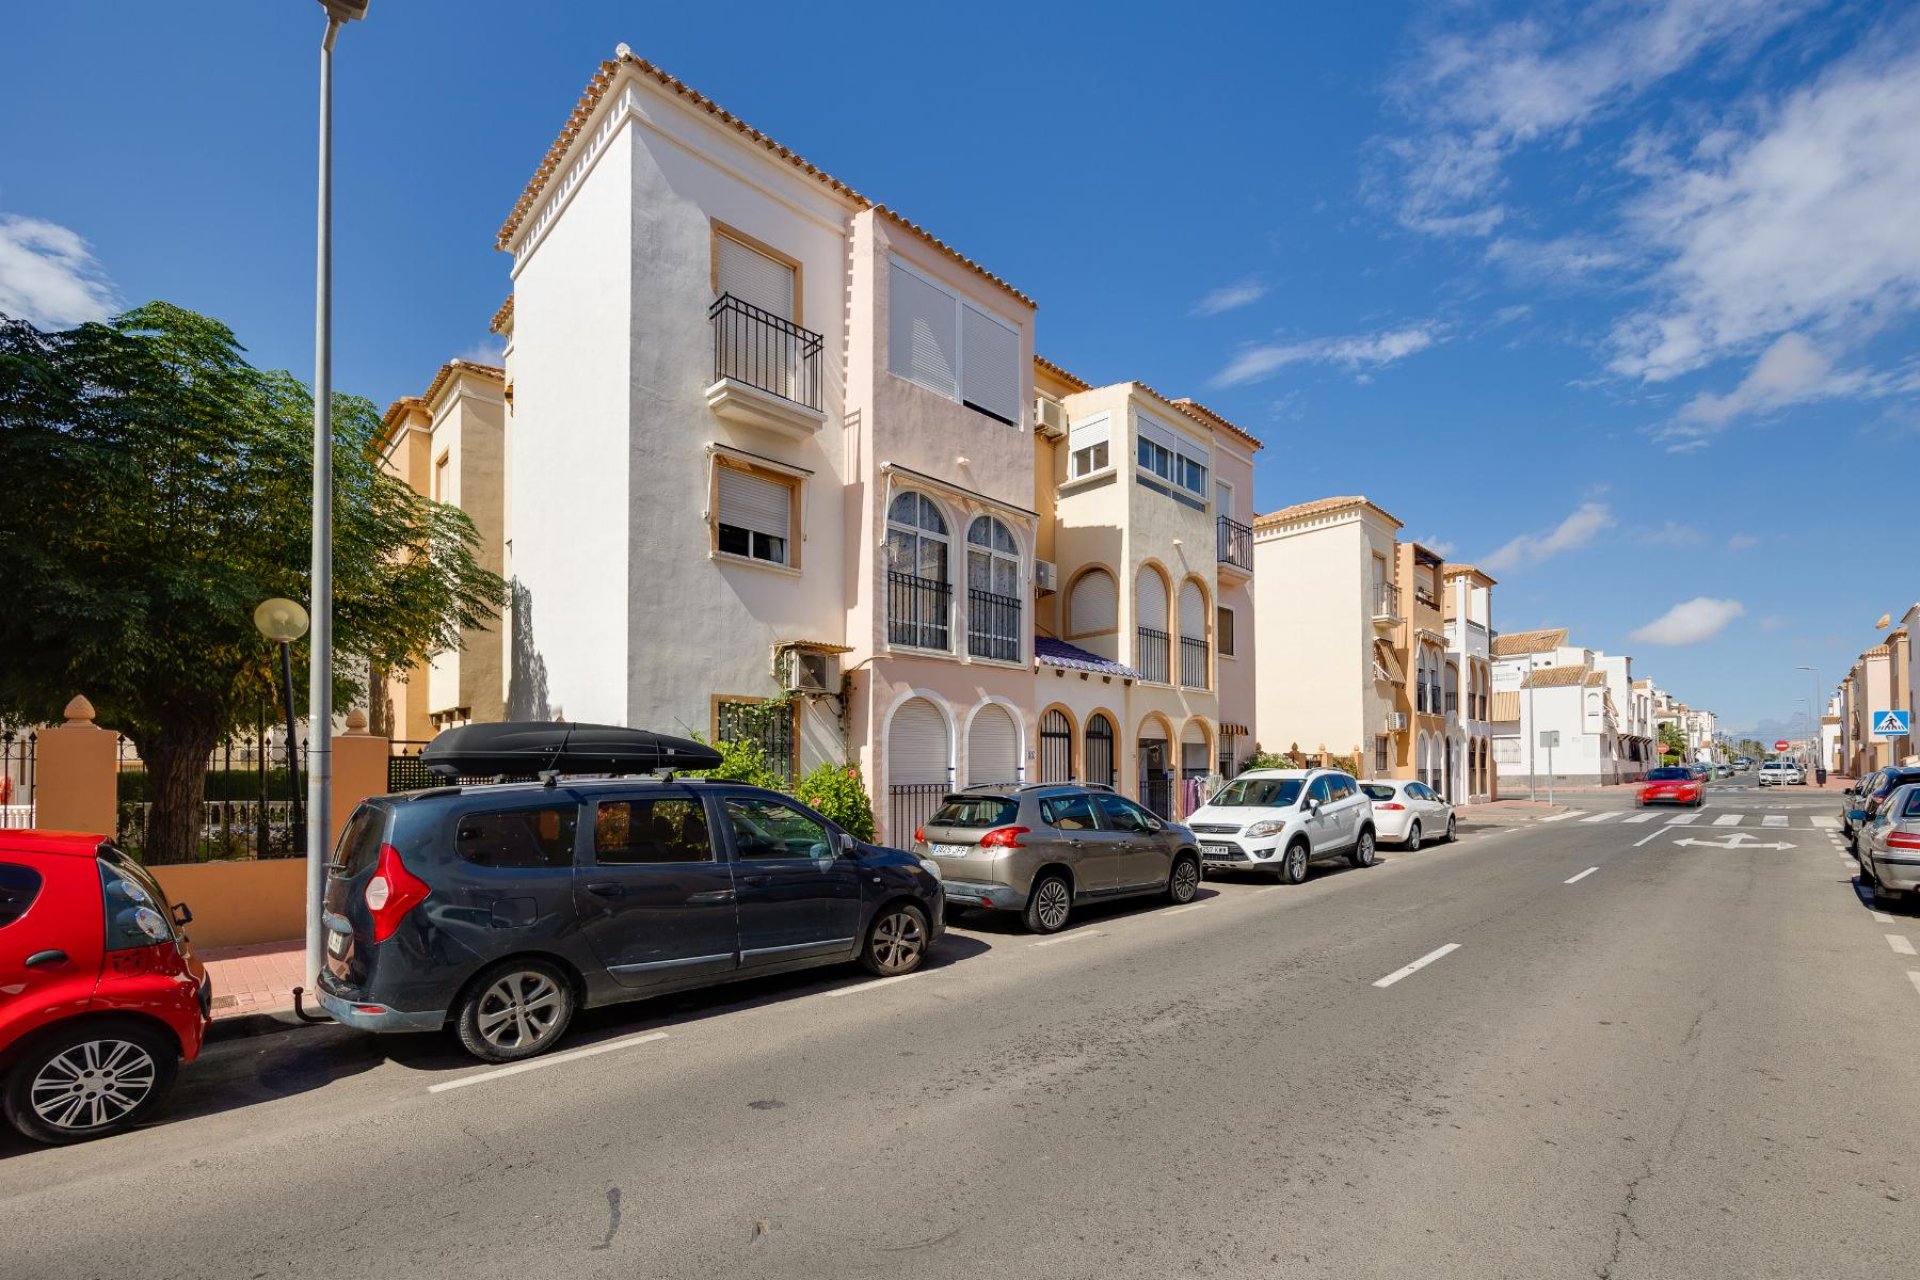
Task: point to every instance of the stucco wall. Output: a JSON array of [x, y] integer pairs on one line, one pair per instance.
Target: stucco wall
[[1314, 637]]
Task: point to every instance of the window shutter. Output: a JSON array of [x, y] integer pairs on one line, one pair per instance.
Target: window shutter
[[1150, 601], [748, 501], [1084, 435], [1193, 611], [923, 340], [1151, 430], [752, 276], [1094, 606], [916, 745], [992, 747], [989, 364], [1193, 749]]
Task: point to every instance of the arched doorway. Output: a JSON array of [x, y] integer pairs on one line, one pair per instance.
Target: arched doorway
[[1056, 747], [1101, 756], [993, 746]]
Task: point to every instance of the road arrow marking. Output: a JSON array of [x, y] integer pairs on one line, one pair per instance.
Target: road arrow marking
[[1735, 840]]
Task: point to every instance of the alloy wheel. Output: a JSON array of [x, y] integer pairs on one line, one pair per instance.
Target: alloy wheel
[[519, 1010], [94, 1083], [1297, 863], [1052, 903], [1413, 838], [1450, 825], [1363, 850], [1186, 880], [899, 937]]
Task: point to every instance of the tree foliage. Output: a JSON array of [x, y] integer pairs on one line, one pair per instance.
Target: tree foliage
[[158, 488], [1672, 740]]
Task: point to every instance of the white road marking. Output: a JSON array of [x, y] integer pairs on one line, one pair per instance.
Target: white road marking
[[1881, 917], [1728, 820], [1900, 945], [1582, 876], [1645, 815], [1418, 965], [1608, 816], [1848, 864], [1683, 819], [837, 992], [1825, 821], [1913, 976], [1654, 836], [1072, 937], [1272, 888], [1562, 817], [551, 1060], [1191, 906], [1773, 819]]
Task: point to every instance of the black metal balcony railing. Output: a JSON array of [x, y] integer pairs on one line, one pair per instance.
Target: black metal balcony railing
[[918, 610], [1386, 600], [758, 348], [1426, 597], [1453, 704], [1193, 663], [1420, 698], [993, 626], [1150, 654], [1235, 544]]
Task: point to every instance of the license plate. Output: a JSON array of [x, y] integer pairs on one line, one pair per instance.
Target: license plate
[[949, 850], [1220, 851], [336, 943]]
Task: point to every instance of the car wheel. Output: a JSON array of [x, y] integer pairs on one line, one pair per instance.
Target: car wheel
[[1184, 880], [897, 943], [1363, 850], [1293, 867], [515, 1011], [1413, 837], [1451, 836], [89, 1081], [1049, 905]]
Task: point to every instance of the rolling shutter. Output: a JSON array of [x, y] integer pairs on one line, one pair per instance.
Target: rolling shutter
[[1084, 435], [993, 747], [752, 276], [989, 364], [1193, 749], [923, 339], [917, 745], [1150, 601], [1094, 607], [1193, 612], [749, 501]]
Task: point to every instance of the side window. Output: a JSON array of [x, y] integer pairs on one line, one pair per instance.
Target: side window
[[1321, 790], [1068, 813], [663, 828], [770, 829], [517, 837], [19, 886], [1122, 814]]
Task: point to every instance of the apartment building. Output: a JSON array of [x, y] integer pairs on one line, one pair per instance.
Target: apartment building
[[1467, 618], [1556, 718], [449, 444], [1880, 680]]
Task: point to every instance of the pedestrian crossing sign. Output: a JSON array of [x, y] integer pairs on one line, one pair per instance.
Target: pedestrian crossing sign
[[1889, 724]]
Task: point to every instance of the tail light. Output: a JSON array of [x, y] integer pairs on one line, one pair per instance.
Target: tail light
[[1391, 806], [392, 893], [1004, 838], [919, 835], [1903, 840]]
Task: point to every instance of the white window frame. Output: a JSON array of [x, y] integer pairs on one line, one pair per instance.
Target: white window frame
[[1200, 456], [1223, 497], [1073, 454], [961, 307]]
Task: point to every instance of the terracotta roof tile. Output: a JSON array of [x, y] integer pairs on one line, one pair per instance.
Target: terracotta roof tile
[[395, 411], [1318, 507], [503, 318], [1518, 642], [1079, 383], [1468, 570], [1555, 678], [1194, 409]]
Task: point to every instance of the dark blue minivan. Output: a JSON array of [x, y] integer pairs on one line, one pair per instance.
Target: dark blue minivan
[[500, 909]]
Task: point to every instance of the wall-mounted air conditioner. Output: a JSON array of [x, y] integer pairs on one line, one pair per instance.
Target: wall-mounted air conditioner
[[1046, 575], [1396, 721], [805, 672], [1051, 416]]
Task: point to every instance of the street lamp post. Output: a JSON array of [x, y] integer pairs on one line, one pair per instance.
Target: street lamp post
[[283, 622], [1819, 745], [320, 654]]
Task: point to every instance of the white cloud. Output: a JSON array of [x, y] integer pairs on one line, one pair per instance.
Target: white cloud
[[1439, 546], [1230, 297], [1689, 622], [1742, 542], [1586, 522], [1354, 353], [1562, 260], [1673, 534], [490, 350], [1774, 622], [48, 276]]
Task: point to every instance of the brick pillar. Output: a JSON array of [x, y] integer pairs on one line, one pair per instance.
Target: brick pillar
[[76, 771], [359, 769]]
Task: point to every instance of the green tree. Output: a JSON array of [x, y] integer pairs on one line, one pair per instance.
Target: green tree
[[1672, 740], [157, 490]]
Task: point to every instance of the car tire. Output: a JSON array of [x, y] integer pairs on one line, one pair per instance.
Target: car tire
[[1365, 851], [1412, 842], [78, 1073], [1293, 864], [516, 1010], [1451, 835], [1049, 904], [1183, 880], [896, 942]]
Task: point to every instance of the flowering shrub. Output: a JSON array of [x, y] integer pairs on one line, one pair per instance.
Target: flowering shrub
[[838, 792]]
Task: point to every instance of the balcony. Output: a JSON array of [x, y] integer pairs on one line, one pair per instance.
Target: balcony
[[993, 626], [1425, 598], [1150, 654], [1386, 605], [1193, 663], [918, 611], [766, 370], [1235, 546]]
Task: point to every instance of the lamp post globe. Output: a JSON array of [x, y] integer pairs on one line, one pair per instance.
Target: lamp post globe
[[281, 621]]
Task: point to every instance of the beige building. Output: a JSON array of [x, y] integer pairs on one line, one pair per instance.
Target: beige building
[[1467, 608]]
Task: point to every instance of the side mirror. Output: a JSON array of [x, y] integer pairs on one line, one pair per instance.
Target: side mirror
[[1313, 804], [849, 847], [1154, 824]]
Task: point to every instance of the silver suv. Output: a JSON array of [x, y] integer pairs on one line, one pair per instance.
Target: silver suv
[[1282, 820], [1040, 848]]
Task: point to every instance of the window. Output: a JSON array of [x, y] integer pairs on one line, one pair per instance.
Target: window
[[441, 470], [1068, 813], [754, 274], [1380, 791], [951, 347], [1258, 793], [666, 828], [1223, 630], [517, 837], [1123, 814], [993, 591], [753, 514], [975, 813], [770, 829], [1380, 762], [19, 886], [1172, 456], [918, 594], [1320, 789], [770, 726], [1088, 444], [1223, 499], [1341, 786]]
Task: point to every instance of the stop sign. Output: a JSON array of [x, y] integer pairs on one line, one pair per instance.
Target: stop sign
[[1781, 745]]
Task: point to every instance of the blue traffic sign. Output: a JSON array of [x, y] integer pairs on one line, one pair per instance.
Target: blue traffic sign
[[1889, 724]]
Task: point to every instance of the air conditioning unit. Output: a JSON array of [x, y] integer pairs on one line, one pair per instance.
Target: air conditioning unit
[[1046, 575], [1051, 416], [1396, 721], [805, 672]]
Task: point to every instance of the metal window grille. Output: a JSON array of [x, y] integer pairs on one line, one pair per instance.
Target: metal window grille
[[917, 611], [993, 626], [1056, 748], [1235, 543], [760, 349], [1100, 755], [1151, 654], [1193, 663]]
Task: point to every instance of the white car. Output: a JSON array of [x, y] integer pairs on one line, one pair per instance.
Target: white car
[[1406, 812], [1778, 773], [1282, 820]]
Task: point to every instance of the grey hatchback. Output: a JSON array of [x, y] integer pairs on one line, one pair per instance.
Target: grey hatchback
[[1040, 848]]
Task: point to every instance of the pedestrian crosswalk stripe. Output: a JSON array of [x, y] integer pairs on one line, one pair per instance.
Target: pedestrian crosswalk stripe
[[1606, 816], [1641, 817], [1728, 820], [1562, 817], [1683, 819], [1774, 820], [1826, 823]]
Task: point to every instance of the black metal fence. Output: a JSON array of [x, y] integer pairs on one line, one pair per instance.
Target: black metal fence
[[1056, 748], [1100, 753], [1235, 543], [759, 348], [1193, 663], [918, 610], [406, 771], [16, 779], [248, 809], [993, 626], [1156, 792], [909, 805], [1150, 654]]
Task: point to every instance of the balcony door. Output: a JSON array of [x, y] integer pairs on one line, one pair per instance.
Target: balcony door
[[756, 343]]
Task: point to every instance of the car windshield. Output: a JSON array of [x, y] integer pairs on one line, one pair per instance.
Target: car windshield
[[1377, 791], [975, 812], [1257, 793], [1669, 775]]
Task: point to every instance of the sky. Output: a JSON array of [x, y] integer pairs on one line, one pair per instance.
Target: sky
[[1616, 300]]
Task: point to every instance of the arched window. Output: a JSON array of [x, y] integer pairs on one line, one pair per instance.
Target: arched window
[[1151, 640], [1056, 747], [993, 591], [919, 597], [1093, 606], [1100, 753]]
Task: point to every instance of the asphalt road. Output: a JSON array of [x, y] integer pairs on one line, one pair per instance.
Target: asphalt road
[[1691, 1061]]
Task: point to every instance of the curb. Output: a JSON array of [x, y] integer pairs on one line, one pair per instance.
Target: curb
[[244, 1026]]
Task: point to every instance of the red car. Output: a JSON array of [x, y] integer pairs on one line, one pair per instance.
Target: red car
[[1672, 784], [101, 998]]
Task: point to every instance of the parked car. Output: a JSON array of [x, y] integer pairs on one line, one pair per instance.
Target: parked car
[[1701, 773], [499, 910], [1672, 784], [1778, 773], [1889, 844], [1861, 801], [101, 998], [1283, 820], [1040, 849], [1406, 812]]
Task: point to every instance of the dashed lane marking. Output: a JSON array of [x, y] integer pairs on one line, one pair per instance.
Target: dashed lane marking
[[837, 992], [1646, 840], [1825, 822], [1608, 816], [1881, 917], [1191, 906], [1425, 960], [1913, 976], [1582, 876], [1900, 945], [551, 1060], [1072, 937]]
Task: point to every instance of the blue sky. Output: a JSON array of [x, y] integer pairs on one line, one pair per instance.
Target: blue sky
[[1615, 299]]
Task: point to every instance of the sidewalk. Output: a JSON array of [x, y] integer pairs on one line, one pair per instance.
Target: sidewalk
[[259, 978], [1507, 813]]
